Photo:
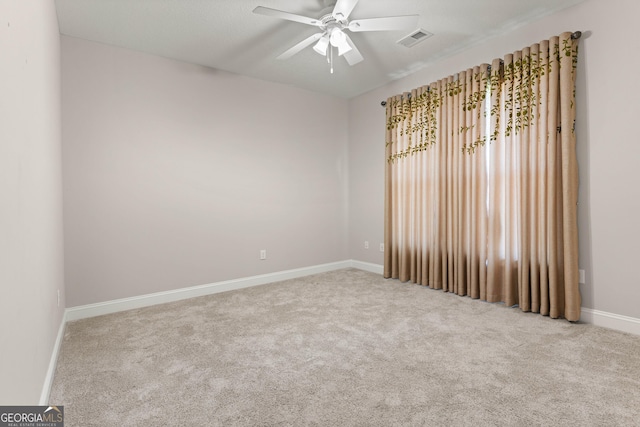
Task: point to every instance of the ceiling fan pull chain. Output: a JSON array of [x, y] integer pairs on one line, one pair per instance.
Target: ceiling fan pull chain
[[331, 49]]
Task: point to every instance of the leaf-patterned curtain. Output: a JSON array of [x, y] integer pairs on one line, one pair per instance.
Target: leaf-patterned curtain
[[481, 182]]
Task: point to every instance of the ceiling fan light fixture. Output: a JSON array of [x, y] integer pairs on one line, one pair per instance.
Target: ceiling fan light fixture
[[344, 48], [337, 37], [322, 45]]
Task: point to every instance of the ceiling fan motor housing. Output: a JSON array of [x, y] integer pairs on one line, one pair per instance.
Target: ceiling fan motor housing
[[329, 21]]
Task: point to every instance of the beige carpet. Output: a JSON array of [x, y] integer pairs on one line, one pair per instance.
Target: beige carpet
[[345, 348]]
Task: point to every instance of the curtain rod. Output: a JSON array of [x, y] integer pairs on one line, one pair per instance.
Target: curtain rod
[[574, 36]]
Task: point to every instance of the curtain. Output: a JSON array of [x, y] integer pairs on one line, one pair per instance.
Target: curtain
[[481, 182]]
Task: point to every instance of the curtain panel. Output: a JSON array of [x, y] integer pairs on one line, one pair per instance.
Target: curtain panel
[[481, 182]]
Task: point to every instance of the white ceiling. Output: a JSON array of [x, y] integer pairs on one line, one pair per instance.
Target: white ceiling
[[226, 35]]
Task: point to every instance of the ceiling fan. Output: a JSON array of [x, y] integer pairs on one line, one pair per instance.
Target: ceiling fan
[[333, 27]]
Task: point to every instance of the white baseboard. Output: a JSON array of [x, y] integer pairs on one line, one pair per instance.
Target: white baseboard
[[367, 266], [99, 309], [48, 380], [611, 320], [594, 317]]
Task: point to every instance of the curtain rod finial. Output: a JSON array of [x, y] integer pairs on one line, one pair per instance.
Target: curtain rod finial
[[383, 103], [576, 35]]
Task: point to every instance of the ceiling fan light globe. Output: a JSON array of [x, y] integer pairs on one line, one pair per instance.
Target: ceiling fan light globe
[[337, 37], [343, 48], [322, 45]]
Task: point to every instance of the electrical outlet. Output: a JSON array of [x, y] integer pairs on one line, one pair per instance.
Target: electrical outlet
[[581, 277], [263, 254], [366, 244], [381, 247]]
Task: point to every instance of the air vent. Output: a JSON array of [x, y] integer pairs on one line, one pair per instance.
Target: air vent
[[414, 38]]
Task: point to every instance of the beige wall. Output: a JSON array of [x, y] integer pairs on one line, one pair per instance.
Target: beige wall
[[608, 149], [31, 258], [177, 175]]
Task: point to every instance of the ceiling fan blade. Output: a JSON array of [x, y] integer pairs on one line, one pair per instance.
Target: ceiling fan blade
[[344, 8], [286, 15], [353, 56], [389, 23], [297, 48]]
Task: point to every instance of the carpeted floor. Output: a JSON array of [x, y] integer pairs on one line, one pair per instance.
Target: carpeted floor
[[344, 348]]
